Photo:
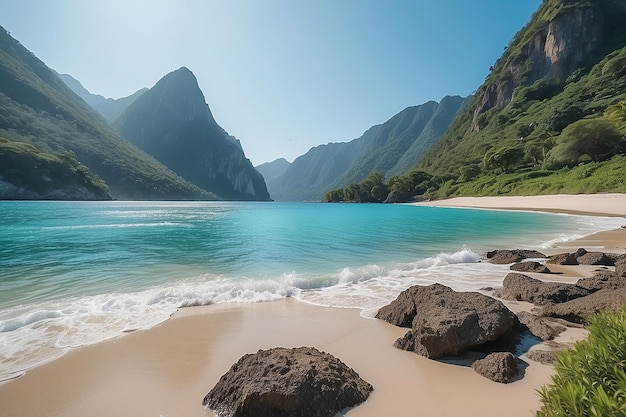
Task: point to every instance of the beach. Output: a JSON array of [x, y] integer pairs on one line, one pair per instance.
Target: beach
[[167, 370]]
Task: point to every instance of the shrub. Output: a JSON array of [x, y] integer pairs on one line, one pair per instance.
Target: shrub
[[590, 379]]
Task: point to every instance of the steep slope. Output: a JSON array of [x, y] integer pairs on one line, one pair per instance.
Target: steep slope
[[449, 107], [310, 175], [389, 149], [173, 123], [36, 107], [108, 108], [564, 71], [403, 140], [274, 169], [29, 174]]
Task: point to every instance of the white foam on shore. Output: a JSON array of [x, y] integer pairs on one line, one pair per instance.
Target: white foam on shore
[[32, 335]]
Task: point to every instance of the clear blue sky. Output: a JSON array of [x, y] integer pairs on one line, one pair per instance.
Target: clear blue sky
[[280, 75]]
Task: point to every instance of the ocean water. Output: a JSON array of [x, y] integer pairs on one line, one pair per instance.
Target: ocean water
[[75, 273]]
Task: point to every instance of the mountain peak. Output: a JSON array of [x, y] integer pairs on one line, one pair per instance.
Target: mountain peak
[[173, 123]]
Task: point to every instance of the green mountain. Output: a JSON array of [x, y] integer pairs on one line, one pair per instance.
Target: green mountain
[[30, 174], [311, 174], [37, 108], [389, 149], [108, 108], [403, 140], [550, 116], [173, 123]]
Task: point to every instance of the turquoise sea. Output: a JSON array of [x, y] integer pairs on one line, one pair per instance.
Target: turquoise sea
[[75, 273]]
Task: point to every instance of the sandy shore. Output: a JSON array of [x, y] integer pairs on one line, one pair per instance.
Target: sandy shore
[[600, 204], [167, 370]]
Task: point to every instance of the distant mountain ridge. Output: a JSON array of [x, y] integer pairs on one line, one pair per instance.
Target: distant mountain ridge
[[173, 123], [390, 148], [274, 169], [109, 108], [37, 108]]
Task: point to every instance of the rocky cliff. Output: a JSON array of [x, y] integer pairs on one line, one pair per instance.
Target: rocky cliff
[[563, 37], [173, 123]]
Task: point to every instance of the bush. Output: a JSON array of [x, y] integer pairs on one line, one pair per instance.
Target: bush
[[590, 379]]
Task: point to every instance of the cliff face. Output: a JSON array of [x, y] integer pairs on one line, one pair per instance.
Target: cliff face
[[173, 123], [564, 36]]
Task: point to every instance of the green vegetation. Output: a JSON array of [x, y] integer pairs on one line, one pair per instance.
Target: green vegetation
[[527, 131], [590, 380], [47, 175], [37, 108]]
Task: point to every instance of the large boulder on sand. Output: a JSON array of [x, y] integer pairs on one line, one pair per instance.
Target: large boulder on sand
[[300, 382], [620, 266], [506, 256], [602, 280], [519, 287], [530, 266], [540, 327], [445, 322], [563, 259], [499, 367], [580, 309]]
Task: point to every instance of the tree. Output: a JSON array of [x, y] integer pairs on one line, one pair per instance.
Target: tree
[[598, 139], [503, 158]]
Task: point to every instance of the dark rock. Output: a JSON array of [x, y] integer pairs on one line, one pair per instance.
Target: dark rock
[[512, 256], [540, 326], [563, 259], [530, 266], [620, 266], [446, 322], [520, 287], [580, 252], [499, 367], [402, 310], [595, 258], [300, 382], [602, 280], [580, 309], [546, 357]]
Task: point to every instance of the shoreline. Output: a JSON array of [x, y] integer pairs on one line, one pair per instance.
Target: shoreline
[[166, 370]]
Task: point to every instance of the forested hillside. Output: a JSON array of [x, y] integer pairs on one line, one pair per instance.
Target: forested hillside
[[550, 117]]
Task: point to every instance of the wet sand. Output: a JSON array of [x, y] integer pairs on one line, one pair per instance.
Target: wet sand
[[167, 370]]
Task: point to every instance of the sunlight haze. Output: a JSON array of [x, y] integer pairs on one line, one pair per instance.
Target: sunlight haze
[[280, 75]]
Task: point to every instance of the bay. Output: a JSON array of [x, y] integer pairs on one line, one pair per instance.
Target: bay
[[75, 273]]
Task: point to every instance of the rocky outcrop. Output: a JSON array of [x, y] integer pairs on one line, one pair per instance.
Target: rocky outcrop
[[499, 367], [572, 38], [582, 257], [512, 256], [620, 266], [445, 322], [520, 287], [546, 357], [602, 280], [173, 123], [300, 382], [531, 266], [580, 309], [540, 326], [563, 259]]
